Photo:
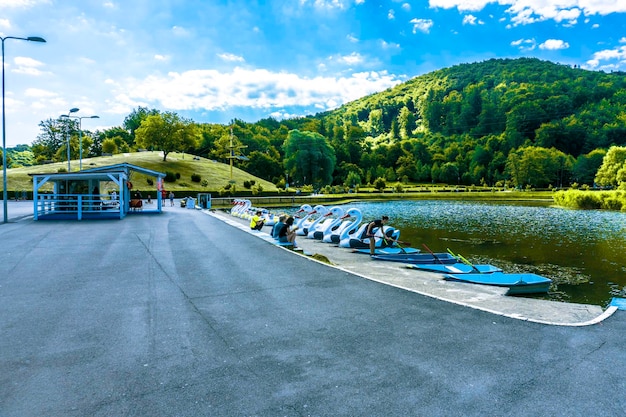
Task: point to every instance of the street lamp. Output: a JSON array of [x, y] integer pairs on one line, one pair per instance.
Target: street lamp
[[80, 138], [67, 136], [4, 145]]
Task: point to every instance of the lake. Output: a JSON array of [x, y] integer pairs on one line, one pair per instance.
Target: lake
[[582, 251]]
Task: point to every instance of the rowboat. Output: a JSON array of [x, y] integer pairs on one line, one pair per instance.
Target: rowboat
[[457, 268], [389, 250], [522, 283], [418, 258]]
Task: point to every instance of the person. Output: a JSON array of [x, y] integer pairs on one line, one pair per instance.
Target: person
[[287, 232], [278, 225], [369, 232], [149, 199], [172, 198], [114, 195], [256, 223]]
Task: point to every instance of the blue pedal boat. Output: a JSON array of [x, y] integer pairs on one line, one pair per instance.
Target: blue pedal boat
[[457, 268], [418, 258], [522, 283]]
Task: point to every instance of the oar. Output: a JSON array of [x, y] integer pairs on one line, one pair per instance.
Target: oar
[[432, 253], [465, 261]]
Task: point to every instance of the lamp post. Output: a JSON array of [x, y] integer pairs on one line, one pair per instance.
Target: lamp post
[[80, 136], [4, 145], [67, 135]]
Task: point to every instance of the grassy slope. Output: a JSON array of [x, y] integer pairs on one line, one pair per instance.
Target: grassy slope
[[217, 174]]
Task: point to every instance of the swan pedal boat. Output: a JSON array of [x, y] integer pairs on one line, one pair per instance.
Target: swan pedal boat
[[418, 258], [517, 283], [457, 268]]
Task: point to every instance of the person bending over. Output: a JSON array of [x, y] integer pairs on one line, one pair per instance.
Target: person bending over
[[369, 232]]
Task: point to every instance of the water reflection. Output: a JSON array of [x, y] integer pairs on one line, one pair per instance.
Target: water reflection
[[582, 251]]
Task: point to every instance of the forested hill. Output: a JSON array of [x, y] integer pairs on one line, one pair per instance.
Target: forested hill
[[523, 122], [475, 115]]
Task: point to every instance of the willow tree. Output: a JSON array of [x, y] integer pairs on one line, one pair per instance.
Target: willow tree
[[309, 157], [167, 132]]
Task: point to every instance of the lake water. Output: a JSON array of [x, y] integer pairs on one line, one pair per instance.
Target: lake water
[[582, 251]]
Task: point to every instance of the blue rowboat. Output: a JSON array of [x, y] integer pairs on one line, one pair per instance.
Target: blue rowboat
[[517, 283], [457, 268], [387, 251], [418, 258]]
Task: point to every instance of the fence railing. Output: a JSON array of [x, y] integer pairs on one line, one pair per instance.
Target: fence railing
[[78, 204]]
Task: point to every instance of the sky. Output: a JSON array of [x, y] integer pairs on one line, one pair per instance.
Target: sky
[[212, 61]]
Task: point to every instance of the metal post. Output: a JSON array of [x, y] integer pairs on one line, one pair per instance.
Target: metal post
[[4, 147], [4, 142]]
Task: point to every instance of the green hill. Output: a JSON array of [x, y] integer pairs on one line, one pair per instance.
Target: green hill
[[214, 175]]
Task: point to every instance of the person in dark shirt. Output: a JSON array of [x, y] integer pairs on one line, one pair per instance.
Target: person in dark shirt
[[287, 232], [369, 232]]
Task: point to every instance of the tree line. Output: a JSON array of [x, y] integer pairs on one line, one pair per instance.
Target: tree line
[[523, 123]]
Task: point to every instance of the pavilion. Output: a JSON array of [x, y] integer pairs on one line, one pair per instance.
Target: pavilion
[[96, 193]]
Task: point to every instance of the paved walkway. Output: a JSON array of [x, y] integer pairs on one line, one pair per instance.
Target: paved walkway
[[482, 297], [180, 314]]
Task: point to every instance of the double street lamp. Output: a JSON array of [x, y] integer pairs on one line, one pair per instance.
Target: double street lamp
[[4, 146], [67, 135], [80, 136]]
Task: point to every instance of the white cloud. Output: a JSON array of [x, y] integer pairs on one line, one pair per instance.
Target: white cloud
[[352, 38], [423, 25], [327, 4], [472, 20], [159, 57], [255, 88], [531, 11], [5, 24], [554, 44], [25, 65], [622, 40], [21, 3], [617, 54], [406, 7], [525, 45], [352, 59], [231, 57], [391, 14], [387, 45]]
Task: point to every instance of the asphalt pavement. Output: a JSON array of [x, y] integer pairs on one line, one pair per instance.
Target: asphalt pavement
[[181, 314]]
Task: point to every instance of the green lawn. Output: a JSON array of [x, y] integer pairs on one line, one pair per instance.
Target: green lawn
[[216, 174]]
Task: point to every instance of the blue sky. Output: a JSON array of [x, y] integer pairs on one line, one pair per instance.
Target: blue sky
[[215, 60]]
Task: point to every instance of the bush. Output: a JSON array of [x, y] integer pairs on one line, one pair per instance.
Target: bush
[[247, 184], [178, 175], [149, 181], [196, 178], [205, 183], [170, 176], [380, 184]]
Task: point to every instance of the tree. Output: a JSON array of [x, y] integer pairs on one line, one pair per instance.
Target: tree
[[309, 157], [52, 136], [133, 121], [613, 162], [167, 132], [587, 165], [538, 167]]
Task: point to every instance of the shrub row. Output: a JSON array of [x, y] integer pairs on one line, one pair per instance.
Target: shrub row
[[591, 200]]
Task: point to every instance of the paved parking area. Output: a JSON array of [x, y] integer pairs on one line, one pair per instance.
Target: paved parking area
[[181, 314]]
